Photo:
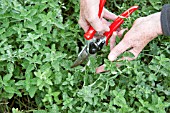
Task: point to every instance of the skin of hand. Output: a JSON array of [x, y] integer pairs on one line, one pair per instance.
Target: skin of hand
[[141, 33], [89, 16]]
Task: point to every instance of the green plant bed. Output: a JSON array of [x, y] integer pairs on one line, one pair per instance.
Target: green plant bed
[[39, 41]]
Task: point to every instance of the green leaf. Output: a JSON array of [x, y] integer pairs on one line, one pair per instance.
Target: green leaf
[[48, 81], [31, 25], [87, 94], [128, 54], [56, 98], [2, 30], [59, 25], [154, 67], [152, 77], [20, 83], [56, 65], [29, 68], [39, 82], [7, 77], [27, 82], [9, 89], [58, 77], [83, 109], [5, 23], [40, 111], [32, 91], [10, 67], [15, 110], [119, 99]]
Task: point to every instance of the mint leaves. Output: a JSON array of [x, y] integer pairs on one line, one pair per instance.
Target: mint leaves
[[40, 39]]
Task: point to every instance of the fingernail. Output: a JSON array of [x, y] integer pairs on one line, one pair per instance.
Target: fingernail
[[115, 33], [100, 69], [111, 57], [107, 28]]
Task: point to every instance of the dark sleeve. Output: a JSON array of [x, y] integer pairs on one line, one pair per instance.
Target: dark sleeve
[[165, 19]]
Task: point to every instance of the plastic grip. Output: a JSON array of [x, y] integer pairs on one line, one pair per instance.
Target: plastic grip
[[116, 24], [91, 32]]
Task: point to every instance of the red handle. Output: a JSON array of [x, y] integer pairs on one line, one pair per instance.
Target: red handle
[[116, 24], [90, 33]]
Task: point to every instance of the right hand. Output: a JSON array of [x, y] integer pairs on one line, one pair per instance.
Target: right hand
[[89, 16]]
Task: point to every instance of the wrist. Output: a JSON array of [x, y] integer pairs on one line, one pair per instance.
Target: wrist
[[155, 20], [158, 25]]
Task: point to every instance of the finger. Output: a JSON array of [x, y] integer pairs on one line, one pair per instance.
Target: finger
[[91, 15], [127, 58], [100, 69], [96, 22], [98, 25], [112, 40], [118, 49], [104, 21], [83, 23], [108, 15], [120, 33]]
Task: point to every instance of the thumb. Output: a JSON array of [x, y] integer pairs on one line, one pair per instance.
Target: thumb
[[109, 15], [118, 49]]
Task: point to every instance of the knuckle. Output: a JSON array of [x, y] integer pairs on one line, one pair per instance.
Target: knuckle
[[126, 41], [80, 22], [118, 50], [99, 30], [91, 19], [139, 20]]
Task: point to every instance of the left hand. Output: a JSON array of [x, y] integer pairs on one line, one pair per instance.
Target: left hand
[[142, 32]]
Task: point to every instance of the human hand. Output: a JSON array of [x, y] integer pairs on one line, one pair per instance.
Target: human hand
[[142, 32], [89, 16]]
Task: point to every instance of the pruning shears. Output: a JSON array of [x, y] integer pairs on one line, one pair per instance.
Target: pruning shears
[[94, 45]]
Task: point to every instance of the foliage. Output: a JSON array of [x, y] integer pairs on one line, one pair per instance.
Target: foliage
[[40, 39]]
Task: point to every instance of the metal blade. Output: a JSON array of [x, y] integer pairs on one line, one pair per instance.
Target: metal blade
[[83, 55]]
